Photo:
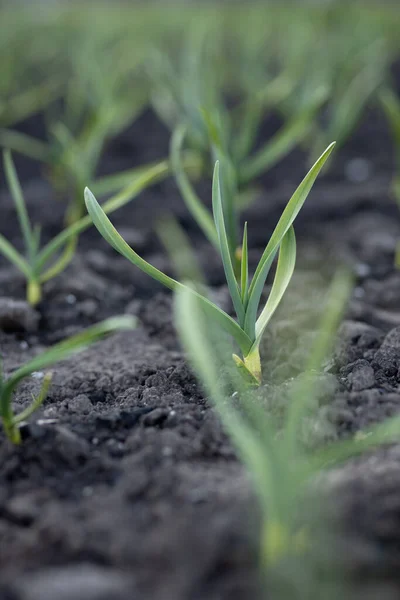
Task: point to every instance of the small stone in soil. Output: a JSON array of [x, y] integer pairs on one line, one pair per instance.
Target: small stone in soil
[[80, 404], [80, 582], [392, 339], [358, 170], [362, 270], [362, 377], [17, 315], [387, 359]]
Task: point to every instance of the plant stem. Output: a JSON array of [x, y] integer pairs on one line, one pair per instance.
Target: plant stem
[[252, 363], [33, 292], [250, 367], [12, 432]]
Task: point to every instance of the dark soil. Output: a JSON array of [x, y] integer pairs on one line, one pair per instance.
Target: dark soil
[[126, 486]]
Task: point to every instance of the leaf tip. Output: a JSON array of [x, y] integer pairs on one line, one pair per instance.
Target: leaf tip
[[89, 197]]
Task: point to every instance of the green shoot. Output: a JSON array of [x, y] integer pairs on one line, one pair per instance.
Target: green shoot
[[390, 102], [39, 265], [65, 349], [201, 120], [248, 330], [280, 461], [98, 102], [347, 103]]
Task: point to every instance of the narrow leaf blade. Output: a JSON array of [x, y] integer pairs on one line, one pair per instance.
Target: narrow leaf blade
[[304, 393], [285, 222], [17, 195], [244, 267], [149, 177], [283, 141], [15, 257], [194, 333], [283, 275], [224, 246], [58, 352], [108, 231], [195, 206], [111, 235]]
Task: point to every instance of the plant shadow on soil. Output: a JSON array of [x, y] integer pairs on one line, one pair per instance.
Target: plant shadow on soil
[[126, 486]]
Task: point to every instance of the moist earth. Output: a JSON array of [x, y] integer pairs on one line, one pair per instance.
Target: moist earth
[[126, 486]]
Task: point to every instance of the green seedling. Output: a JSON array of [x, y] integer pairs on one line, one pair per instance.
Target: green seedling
[[276, 451], [11, 422], [40, 264], [100, 99], [247, 331], [29, 83], [192, 99], [240, 169], [351, 91], [390, 102]]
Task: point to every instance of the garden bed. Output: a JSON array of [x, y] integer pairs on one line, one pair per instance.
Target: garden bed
[[126, 486]]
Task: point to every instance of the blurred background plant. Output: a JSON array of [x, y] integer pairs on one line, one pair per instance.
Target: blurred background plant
[[219, 72], [297, 544]]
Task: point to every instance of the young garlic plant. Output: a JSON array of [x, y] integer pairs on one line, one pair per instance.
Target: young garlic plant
[[101, 97], [351, 88], [246, 295], [40, 264], [29, 83], [281, 463], [11, 422], [239, 171], [191, 99]]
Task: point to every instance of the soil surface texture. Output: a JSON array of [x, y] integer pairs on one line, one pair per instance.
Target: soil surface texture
[[126, 486]]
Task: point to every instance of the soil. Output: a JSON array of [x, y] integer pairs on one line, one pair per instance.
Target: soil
[[126, 486]]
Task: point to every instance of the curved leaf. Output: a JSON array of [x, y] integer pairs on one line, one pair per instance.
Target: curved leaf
[[108, 231], [15, 257], [224, 246], [283, 275], [285, 222], [149, 177], [195, 206]]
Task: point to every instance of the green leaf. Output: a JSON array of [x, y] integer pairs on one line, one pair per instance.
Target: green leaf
[[16, 192], [58, 352], [283, 275], [15, 257], [149, 177], [195, 206], [37, 402], [304, 393], [62, 261], [109, 184], [111, 235], [353, 100], [244, 268], [364, 441], [36, 235], [196, 336], [282, 142], [63, 350], [108, 231], [179, 250], [31, 101], [285, 222], [217, 125], [24, 144], [253, 110], [391, 105], [225, 247]]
